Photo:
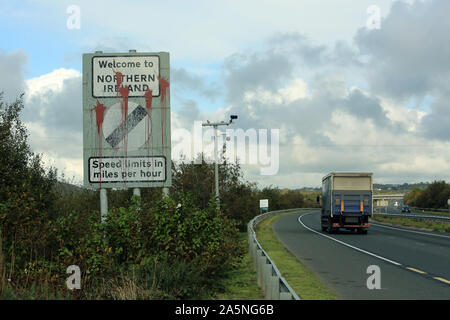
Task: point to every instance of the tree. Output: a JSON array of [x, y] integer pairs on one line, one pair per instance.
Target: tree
[[238, 198], [26, 191], [22, 170], [292, 199], [410, 198], [434, 196]]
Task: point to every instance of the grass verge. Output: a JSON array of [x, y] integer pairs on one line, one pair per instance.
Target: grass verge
[[433, 212], [241, 283], [406, 222], [302, 280]]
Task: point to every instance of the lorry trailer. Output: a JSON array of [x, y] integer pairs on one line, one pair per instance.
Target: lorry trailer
[[346, 201]]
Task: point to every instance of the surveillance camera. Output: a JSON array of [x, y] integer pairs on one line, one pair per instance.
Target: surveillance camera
[[233, 117]]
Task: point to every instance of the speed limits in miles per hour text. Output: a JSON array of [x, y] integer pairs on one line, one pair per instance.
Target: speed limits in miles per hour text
[[132, 169]]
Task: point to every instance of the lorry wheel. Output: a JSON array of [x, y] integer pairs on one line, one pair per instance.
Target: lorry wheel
[[330, 228]]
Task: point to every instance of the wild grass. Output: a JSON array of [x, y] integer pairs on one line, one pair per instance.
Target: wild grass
[[424, 224], [241, 283]]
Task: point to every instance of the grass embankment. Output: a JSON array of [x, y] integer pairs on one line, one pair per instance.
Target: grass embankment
[[442, 213], [242, 283], [301, 279], [406, 222]]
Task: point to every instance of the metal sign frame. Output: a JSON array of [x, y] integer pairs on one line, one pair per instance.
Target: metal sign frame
[[136, 102]]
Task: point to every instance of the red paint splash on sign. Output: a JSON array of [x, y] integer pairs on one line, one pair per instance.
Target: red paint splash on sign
[[99, 115], [148, 99], [163, 83], [124, 92], [148, 125], [118, 78]]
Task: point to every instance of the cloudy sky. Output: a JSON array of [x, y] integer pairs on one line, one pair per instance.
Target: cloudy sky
[[350, 85]]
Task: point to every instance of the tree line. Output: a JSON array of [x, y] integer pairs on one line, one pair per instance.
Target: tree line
[[435, 196]]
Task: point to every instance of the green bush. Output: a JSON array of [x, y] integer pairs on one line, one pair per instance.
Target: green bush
[[433, 196]]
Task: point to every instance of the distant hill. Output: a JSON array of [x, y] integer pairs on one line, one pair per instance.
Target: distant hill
[[68, 187], [404, 186]]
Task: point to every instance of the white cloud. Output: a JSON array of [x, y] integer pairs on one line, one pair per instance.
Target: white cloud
[[296, 89], [426, 164], [53, 81], [408, 117], [52, 115]]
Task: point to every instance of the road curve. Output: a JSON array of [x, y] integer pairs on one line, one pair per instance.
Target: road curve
[[413, 264]]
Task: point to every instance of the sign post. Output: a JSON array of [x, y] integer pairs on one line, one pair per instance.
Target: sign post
[[126, 121]]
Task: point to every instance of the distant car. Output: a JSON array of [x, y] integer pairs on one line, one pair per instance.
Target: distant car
[[406, 209]]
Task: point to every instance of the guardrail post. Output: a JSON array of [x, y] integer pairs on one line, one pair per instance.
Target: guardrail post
[[267, 272], [254, 254], [274, 287], [261, 260], [250, 242]]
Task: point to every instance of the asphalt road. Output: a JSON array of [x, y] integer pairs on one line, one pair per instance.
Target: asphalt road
[[413, 264]]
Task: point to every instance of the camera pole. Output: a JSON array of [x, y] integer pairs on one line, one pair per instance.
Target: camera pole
[[216, 166]]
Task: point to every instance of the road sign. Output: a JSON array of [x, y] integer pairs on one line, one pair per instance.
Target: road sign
[[126, 120], [264, 203]]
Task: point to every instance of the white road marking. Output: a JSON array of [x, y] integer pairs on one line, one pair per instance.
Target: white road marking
[[399, 229], [345, 244]]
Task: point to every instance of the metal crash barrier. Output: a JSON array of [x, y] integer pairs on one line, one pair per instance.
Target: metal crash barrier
[[275, 287]]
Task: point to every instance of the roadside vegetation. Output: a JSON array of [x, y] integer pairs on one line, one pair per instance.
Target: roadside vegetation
[[442, 213], [434, 196], [304, 282], [179, 247], [241, 283], [428, 225]]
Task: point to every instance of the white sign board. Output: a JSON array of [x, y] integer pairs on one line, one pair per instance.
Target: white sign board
[[264, 203], [126, 120]]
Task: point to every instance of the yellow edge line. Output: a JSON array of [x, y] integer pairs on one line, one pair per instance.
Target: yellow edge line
[[416, 270], [442, 279]]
